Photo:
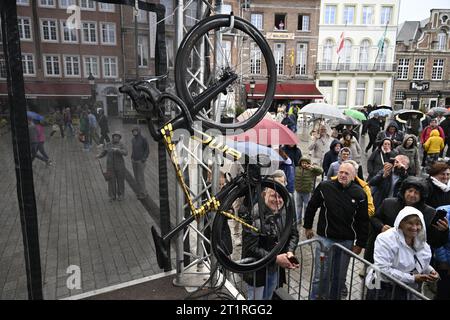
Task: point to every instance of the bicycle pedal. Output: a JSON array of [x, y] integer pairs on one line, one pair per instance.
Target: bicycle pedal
[[161, 250]]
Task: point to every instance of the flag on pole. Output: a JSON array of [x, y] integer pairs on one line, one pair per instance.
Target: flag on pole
[[381, 41], [341, 43]]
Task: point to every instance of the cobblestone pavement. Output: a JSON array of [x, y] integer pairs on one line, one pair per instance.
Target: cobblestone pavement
[[110, 241]]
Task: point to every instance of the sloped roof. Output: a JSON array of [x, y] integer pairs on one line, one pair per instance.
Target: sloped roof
[[408, 31]]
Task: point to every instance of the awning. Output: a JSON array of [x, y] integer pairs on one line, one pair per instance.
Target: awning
[[286, 91], [53, 89]]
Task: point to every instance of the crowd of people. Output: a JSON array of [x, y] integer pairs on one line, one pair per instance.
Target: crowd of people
[[93, 128], [390, 213]]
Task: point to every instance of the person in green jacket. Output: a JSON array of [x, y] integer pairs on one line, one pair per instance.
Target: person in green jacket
[[305, 177]]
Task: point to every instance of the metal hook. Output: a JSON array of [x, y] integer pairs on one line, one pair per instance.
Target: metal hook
[[229, 28], [136, 8]]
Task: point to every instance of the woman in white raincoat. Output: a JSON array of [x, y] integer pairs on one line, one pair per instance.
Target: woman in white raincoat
[[402, 253]]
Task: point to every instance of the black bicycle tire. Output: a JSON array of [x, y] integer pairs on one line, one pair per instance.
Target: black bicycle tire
[[220, 219], [191, 38]]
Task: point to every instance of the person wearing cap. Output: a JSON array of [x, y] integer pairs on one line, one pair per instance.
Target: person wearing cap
[[403, 253], [115, 165], [139, 155]]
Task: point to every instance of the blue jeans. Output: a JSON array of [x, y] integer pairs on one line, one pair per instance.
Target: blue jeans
[[334, 270], [301, 200], [265, 292]]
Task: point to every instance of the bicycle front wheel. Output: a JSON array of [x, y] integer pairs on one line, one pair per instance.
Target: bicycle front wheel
[[211, 52], [240, 248]]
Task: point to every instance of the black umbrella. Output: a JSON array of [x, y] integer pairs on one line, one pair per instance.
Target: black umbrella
[[405, 115], [383, 107]]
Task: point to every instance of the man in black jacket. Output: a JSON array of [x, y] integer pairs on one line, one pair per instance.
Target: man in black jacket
[[343, 219], [104, 128], [413, 192], [139, 155]]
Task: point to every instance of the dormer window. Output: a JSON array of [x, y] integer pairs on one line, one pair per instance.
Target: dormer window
[[444, 18]]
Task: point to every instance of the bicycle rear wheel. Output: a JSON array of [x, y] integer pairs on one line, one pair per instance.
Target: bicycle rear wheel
[[201, 64], [243, 252]]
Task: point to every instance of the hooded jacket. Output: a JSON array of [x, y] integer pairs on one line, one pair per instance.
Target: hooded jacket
[[434, 144], [376, 160], [304, 178], [331, 156], [139, 146], [397, 137], [439, 194], [427, 132], [393, 256], [334, 167], [390, 208], [343, 212], [319, 146], [412, 153]]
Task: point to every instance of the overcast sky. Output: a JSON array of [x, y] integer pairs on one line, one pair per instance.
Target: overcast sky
[[416, 10]]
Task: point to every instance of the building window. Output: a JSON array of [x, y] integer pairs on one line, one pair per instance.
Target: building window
[[89, 32], [328, 54], [110, 67], [107, 7], [347, 59], [49, 30], [72, 66], [280, 21], [279, 57], [23, 2], [360, 93], [225, 54], [442, 41], [47, 3], [399, 95], [342, 93], [226, 9], [91, 66], [402, 69], [142, 16], [438, 69], [378, 92], [52, 67], [169, 8], [87, 5], [28, 64], [349, 14], [300, 64], [24, 28], [255, 59], [68, 34], [419, 69], [108, 33], [257, 20], [330, 15], [190, 14], [303, 22], [143, 51], [364, 54], [367, 15], [63, 4], [385, 17]]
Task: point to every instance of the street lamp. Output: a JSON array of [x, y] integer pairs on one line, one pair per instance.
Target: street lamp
[[91, 80], [252, 86]]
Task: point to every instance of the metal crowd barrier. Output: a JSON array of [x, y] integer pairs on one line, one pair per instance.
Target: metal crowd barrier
[[299, 282]]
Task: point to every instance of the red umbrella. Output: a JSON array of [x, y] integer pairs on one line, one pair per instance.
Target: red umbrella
[[268, 132]]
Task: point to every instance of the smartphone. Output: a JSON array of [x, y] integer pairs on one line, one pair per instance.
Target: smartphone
[[440, 214], [392, 160], [294, 260]]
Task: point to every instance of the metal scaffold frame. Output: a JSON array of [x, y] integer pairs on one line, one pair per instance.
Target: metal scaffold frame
[[194, 243]]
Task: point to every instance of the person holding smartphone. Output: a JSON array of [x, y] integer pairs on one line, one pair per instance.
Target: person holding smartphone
[[262, 283]]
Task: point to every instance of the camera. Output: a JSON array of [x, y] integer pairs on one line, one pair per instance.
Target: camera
[[294, 260]]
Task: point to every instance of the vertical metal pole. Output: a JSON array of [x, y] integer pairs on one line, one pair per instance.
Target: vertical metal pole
[[21, 147], [179, 192]]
